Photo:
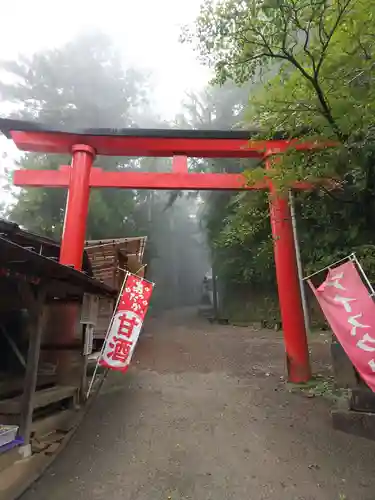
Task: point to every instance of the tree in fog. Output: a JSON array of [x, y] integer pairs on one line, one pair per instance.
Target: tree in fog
[[82, 84], [316, 61], [223, 107], [179, 257], [323, 90]]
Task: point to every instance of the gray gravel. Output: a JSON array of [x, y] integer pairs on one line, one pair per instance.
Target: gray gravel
[[204, 414]]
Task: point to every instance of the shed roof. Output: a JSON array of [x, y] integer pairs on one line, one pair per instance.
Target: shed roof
[[42, 245], [62, 279], [128, 246]]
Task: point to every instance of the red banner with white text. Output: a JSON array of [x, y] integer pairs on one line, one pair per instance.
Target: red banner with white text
[[126, 323], [350, 311]]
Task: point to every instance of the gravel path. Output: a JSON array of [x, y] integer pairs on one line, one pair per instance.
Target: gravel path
[[204, 415]]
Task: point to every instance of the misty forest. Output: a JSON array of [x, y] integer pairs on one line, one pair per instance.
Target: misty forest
[[301, 67]]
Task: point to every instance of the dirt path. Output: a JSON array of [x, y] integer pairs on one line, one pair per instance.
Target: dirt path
[[204, 415]]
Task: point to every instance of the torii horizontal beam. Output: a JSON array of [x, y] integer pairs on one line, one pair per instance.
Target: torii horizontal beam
[[33, 137], [176, 180]]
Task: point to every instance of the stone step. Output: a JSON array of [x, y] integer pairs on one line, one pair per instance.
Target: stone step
[[61, 421], [358, 423], [345, 375], [362, 399]]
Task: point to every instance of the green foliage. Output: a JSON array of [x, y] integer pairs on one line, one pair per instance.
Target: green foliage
[[39, 209], [82, 84], [246, 235], [311, 63], [322, 51]]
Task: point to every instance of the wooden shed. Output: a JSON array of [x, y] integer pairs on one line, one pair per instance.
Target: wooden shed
[[109, 260], [36, 294]]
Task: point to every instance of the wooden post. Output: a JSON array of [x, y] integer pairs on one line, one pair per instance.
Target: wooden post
[[215, 302], [85, 361], [35, 331]]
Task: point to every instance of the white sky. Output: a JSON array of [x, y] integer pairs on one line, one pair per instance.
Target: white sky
[[146, 31]]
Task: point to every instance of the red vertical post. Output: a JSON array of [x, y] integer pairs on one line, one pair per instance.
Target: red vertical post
[[77, 205], [294, 330], [180, 165]]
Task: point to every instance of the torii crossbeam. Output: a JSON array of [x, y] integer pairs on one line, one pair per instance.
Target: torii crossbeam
[[84, 145]]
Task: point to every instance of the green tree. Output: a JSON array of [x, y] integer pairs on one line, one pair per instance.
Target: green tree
[[79, 85], [324, 54], [222, 107]]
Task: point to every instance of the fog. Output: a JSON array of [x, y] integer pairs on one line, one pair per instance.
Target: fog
[[115, 68], [179, 256]]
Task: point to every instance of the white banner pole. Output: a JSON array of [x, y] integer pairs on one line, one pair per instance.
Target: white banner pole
[[299, 262], [348, 257]]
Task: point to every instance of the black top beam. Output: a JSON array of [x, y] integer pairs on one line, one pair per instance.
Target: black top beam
[[9, 125]]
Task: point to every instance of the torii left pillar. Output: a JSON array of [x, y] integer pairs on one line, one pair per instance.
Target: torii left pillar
[[71, 254], [74, 233]]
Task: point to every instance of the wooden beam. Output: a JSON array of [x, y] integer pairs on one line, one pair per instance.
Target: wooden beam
[[35, 331], [41, 399]]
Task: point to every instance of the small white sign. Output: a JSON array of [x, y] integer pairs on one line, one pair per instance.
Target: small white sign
[[89, 337], [89, 309]]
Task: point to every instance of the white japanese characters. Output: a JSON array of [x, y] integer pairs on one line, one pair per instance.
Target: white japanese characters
[[366, 342], [126, 324]]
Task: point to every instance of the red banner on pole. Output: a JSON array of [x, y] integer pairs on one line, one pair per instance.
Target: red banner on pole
[[126, 323], [350, 311]]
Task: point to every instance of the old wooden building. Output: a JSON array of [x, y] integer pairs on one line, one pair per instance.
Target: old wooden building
[[42, 363]]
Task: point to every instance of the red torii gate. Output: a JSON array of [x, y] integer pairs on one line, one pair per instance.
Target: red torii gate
[[85, 144]]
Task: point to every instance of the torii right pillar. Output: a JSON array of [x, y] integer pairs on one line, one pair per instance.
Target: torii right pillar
[[293, 323]]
